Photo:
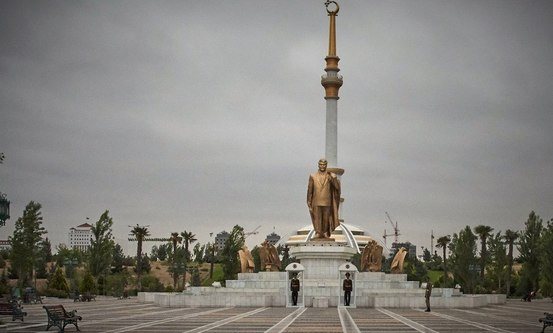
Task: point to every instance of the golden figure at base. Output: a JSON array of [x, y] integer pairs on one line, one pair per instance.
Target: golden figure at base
[[371, 258], [270, 261], [246, 260], [323, 200], [397, 263]]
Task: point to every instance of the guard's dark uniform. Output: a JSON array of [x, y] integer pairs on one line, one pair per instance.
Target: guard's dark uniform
[[295, 288], [427, 294], [347, 286]]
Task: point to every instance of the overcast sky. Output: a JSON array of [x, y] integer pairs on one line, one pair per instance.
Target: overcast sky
[[199, 115]]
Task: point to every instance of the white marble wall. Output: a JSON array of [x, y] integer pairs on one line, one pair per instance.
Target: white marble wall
[[321, 287]]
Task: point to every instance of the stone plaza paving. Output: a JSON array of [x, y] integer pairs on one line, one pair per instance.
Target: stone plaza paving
[[117, 316]]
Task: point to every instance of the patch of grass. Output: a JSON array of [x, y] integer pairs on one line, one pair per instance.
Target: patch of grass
[[217, 275]]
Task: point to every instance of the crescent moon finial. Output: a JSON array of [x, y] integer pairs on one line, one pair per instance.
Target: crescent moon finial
[[332, 12]]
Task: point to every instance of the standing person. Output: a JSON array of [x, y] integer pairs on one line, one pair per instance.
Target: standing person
[[427, 294], [295, 288], [323, 200], [347, 286]]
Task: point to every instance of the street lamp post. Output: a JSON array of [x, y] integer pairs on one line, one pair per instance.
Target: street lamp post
[[4, 209], [70, 263], [4, 203]]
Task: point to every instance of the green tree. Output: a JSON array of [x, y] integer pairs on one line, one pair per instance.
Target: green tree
[[43, 258], [150, 283], [188, 238], [546, 257], [483, 231], [284, 252], [195, 279], [463, 259], [231, 263], [117, 259], [442, 242], [102, 244], [87, 284], [4, 286], [175, 257], [58, 281], [510, 238], [26, 241], [415, 269], [199, 253], [426, 256], [145, 265], [117, 283], [160, 252], [63, 253], [529, 249], [497, 264], [140, 233], [256, 258], [153, 253]]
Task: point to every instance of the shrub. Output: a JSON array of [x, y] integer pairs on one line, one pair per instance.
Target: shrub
[[151, 283], [49, 292], [88, 284], [58, 281]]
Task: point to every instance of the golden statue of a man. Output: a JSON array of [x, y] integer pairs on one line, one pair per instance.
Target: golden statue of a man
[[323, 200]]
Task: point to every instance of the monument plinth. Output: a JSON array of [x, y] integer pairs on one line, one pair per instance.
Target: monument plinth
[[322, 258]]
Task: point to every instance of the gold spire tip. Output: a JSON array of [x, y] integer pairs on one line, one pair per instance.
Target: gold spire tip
[[332, 11]]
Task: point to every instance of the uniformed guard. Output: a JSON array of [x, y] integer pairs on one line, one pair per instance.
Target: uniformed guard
[[347, 286], [427, 295], [295, 288]]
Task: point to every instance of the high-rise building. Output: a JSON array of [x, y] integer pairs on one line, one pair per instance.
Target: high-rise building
[[221, 239], [272, 238], [80, 237]]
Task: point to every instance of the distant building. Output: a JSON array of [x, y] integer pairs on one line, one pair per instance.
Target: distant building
[[272, 238], [5, 245], [411, 249], [80, 237], [221, 239]]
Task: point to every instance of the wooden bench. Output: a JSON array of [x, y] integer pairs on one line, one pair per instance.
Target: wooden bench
[[547, 320], [57, 316], [12, 309]]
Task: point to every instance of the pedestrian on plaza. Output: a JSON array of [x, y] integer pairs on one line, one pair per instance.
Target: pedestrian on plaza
[[347, 286]]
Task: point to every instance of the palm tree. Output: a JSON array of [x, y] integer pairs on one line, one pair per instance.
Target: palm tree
[[188, 237], [175, 238], [484, 232], [140, 233], [510, 238], [442, 242]]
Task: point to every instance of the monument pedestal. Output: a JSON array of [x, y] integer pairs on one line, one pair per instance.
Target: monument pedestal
[[321, 286], [322, 259]]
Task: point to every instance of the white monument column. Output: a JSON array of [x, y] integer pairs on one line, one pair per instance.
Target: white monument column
[[332, 81]]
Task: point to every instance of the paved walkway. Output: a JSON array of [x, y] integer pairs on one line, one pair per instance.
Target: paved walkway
[[118, 316]]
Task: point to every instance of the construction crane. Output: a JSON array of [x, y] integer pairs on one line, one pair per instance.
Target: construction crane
[[253, 232], [394, 226]]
